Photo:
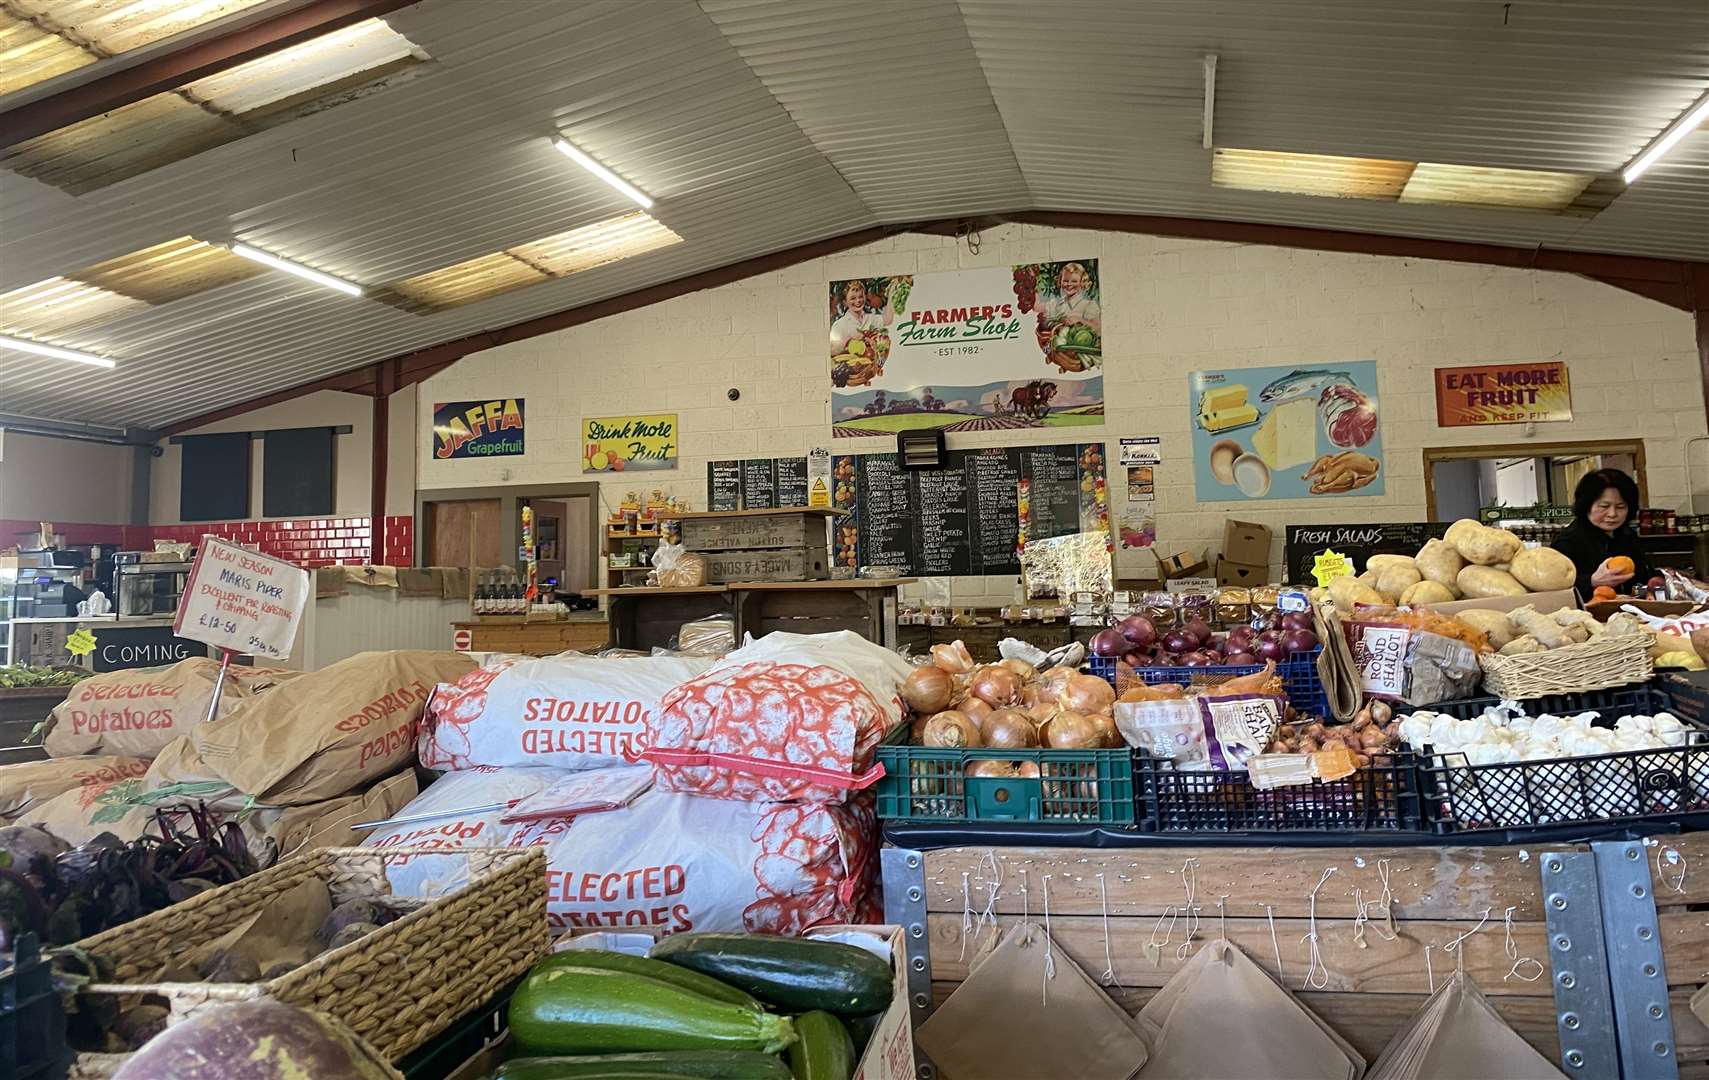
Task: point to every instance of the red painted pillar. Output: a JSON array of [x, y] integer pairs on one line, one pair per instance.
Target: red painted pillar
[[385, 381]]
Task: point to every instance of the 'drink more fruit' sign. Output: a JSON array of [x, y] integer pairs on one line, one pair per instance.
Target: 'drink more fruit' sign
[[464, 429], [625, 443], [968, 350]]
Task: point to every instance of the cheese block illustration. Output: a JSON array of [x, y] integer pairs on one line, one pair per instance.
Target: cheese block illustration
[[1288, 436], [1225, 407]]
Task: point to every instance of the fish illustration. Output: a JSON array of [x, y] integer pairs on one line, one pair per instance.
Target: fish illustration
[[1301, 383]]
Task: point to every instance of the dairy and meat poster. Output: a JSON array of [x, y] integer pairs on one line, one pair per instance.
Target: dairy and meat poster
[[968, 350], [1289, 432]]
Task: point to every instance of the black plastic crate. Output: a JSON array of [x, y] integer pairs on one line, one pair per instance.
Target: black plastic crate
[[1598, 790], [1298, 674], [1383, 797], [32, 1022]]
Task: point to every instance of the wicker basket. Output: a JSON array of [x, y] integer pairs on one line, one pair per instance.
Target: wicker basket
[[397, 987], [1593, 665]]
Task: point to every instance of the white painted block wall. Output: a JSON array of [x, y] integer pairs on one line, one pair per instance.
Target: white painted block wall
[[1170, 307]]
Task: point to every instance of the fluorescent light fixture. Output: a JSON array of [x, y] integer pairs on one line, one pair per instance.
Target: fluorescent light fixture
[[298, 269], [26, 345], [603, 173], [1661, 144]]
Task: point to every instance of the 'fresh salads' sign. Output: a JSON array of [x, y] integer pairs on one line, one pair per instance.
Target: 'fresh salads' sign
[[621, 443], [242, 601], [463, 429], [968, 350]]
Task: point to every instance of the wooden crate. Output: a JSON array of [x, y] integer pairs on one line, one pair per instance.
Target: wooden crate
[[1368, 993], [784, 564], [1685, 939], [749, 531]]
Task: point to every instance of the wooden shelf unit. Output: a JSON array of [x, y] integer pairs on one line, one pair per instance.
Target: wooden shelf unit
[[615, 542]]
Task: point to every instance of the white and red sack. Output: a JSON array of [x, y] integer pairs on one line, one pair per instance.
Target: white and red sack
[[483, 785], [791, 716], [680, 863], [567, 712]]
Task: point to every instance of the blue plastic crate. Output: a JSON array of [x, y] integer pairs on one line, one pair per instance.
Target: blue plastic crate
[[1298, 673]]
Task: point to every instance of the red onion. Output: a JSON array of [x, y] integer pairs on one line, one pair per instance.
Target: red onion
[[1199, 631], [1196, 659], [1168, 659], [1298, 641], [1270, 649], [927, 689], [1297, 620], [1270, 635], [1109, 643], [1241, 636], [1179, 641], [1139, 630], [1241, 658], [1087, 694], [995, 685]]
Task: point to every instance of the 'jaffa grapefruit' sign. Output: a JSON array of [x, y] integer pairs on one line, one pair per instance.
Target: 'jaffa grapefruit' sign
[[243, 601]]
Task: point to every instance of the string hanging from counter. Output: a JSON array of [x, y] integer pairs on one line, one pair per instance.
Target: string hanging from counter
[[1429, 971], [988, 917], [1108, 978], [966, 914], [1316, 974], [1153, 946], [1190, 883], [1673, 857], [1049, 957], [1512, 950], [1270, 914], [1222, 915], [1457, 946]]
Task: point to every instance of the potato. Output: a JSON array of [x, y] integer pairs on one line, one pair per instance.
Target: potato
[[1483, 545], [1543, 569], [1380, 563], [1438, 561], [1460, 529], [1483, 582], [1393, 580], [1427, 592], [1347, 592], [1493, 625]]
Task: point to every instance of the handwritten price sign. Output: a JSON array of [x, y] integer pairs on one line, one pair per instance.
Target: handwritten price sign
[[241, 601]]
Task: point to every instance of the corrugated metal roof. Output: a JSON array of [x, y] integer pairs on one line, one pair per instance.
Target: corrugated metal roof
[[761, 125], [43, 38]]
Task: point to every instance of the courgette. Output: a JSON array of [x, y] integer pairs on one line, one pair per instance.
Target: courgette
[[572, 1010], [824, 1050], [711, 1064], [704, 985], [794, 974]]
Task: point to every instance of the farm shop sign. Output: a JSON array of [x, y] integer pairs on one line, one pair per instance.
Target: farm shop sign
[[622, 443], [968, 350], [1503, 394], [465, 429]]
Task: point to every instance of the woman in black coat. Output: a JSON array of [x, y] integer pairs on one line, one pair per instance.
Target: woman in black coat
[[1603, 504]]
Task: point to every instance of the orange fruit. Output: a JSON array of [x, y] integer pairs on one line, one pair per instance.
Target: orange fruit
[[1603, 592], [1620, 564]]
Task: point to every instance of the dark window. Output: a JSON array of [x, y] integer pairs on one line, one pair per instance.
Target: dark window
[[296, 472], [213, 482]]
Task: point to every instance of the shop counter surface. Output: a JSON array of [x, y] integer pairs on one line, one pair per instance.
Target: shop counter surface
[[645, 618]]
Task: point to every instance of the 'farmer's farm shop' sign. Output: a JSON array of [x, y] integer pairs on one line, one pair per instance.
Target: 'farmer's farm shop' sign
[[622, 443], [464, 429]]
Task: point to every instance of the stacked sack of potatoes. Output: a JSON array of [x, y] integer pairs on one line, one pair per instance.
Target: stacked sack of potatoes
[[1471, 562]]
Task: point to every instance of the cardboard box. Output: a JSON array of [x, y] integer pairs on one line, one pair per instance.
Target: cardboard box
[[1229, 572], [1181, 564], [1544, 602], [1246, 542]]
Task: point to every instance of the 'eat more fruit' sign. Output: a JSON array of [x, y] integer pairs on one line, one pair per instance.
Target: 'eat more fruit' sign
[[627, 443]]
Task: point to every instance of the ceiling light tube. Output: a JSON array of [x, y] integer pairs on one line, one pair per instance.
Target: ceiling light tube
[[26, 345], [1661, 144], [603, 173], [298, 269]]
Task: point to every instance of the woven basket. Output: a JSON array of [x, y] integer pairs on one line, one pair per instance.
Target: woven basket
[[396, 987], [1571, 669]]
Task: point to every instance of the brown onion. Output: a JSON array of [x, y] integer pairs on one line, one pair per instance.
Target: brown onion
[[975, 709], [927, 689], [1041, 713], [1087, 694], [1020, 667], [1004, 770], [1007, 729], [1072, 731], [953, 657], [997, 685], [1109, 734], [1056, 678], [951, 730]]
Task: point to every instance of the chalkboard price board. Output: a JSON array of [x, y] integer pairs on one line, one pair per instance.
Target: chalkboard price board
[[724, 485], [1304, 543]]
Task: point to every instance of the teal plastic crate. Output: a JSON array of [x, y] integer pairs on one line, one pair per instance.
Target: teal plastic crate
[[928, 785]]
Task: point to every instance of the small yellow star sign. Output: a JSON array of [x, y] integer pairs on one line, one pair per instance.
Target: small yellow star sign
[[1329, 566], [81, 643]]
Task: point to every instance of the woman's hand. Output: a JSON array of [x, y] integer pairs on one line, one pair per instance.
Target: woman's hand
[[1611, 578]]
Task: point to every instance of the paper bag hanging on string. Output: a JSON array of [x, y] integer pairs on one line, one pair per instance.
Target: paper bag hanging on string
[[1457, 1034], [1012, 1019], [1223, 1016]]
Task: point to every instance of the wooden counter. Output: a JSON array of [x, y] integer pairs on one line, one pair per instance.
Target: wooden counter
[[535, 637], [643, 618]]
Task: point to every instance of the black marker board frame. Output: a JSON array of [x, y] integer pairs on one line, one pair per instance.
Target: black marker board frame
[[1303, 543], [213, 477]]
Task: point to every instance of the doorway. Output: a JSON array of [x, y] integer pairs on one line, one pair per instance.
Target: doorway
[[454, 523], [495, 517], [565, 541], [1525, 478]]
